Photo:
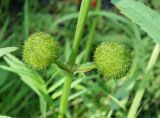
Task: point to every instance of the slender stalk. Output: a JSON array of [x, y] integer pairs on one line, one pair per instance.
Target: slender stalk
[[91, 34], [139, 94], [85, 67], [78, 34], [65, 95], [63, 66], [79, 30], [43, 107], [26, 19], [81, 68]]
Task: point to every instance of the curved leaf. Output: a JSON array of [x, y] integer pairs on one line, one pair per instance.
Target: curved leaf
[[142, 15]]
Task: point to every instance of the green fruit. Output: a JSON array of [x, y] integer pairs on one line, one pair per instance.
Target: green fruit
[[40, 50], [113, 59]]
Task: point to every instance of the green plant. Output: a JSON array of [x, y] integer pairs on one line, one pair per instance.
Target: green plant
[[149, 25], [40, 50], [113, 59]]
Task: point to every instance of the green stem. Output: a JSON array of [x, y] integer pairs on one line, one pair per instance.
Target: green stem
[[78, 34], [85, 67], [81, 68], [26, 19], [79, 29], [91, 34], [139, 94], [63, 66], [65, 95], [43, 107]]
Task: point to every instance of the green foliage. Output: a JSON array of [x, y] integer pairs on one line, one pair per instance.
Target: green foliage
[[40, 50], [28, 76], [6, 50], [142, 15], [113, 59], [18, 94]]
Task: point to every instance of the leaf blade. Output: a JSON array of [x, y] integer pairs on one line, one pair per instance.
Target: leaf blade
[[6, 50], [148, 20]]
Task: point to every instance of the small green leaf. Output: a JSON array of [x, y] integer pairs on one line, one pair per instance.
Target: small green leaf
[[142, 15]]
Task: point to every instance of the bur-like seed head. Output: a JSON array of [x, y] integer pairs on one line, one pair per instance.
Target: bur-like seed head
[[113, 59], [40, 50]]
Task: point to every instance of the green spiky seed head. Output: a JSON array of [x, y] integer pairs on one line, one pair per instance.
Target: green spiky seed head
[[40, 50], [113, 59]]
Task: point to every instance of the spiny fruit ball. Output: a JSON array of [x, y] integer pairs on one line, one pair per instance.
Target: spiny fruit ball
[[40, 50], [113, 59]]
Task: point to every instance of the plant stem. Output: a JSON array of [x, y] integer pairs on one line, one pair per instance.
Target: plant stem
[[91, 34], [65, 95], [63, 66], [26, 19], [78, 34], [43, 107], [85, 67], [81, 68], [139, 94], [79, 29]]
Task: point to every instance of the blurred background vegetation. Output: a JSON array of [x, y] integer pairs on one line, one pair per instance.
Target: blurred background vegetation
[[92, 96]]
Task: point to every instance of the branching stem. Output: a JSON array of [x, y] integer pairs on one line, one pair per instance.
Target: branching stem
[[78, 34]]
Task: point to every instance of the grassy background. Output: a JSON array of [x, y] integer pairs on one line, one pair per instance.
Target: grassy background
[[92, 95]]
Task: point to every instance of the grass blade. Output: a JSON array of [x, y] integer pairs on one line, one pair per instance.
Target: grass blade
[[4, 51], [28, 76]]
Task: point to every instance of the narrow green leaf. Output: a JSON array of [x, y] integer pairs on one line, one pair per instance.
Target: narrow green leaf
[[26, 19], [4, 116], [28, 76], [142, 15], [119, 103], [4, 51], [56, 85], [4, 28]]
